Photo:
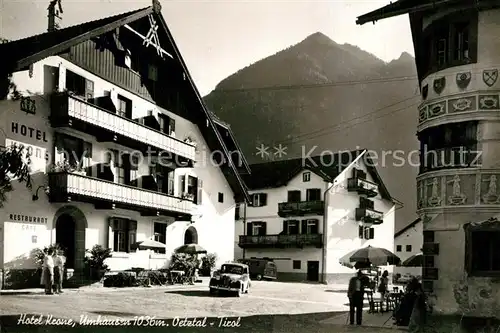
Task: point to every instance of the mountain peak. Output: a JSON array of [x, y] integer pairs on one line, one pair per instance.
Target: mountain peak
[[319, 37], [406, 56]]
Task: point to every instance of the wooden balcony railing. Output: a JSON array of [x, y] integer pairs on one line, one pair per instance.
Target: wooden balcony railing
[[316, 207], [65, 187], [298, 241], [370, 216], [68, 107], [362, 186]]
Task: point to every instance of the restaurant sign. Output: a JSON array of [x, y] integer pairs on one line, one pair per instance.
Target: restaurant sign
[[28, 218]]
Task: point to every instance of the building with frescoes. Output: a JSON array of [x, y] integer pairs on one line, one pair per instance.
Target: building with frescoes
[[457, 54], [309, 212], [122, 147]]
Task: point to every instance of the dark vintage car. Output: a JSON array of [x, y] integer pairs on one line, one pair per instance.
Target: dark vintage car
[[261, 269], [233, 277]]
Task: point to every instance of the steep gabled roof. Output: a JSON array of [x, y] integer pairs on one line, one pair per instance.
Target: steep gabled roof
[[279, 173], [411, 225], [18, 55]]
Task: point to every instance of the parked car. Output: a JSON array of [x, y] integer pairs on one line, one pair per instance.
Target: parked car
[[233, 277], [261, 269]]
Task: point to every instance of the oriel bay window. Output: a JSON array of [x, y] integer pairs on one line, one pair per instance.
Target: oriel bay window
[[73, 152], [124, 234], [257, 228], [449, 146], [450, 41]]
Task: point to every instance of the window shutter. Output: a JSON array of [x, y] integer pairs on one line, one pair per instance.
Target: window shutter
[[371, 233], [89, 89], [200, 191], [361, 232], [264, 229], [182, 185], [170, 185], [316, 228], [87, 148], [304, 227], [171, 125], [263, 199], [249, 229], [285, 227]]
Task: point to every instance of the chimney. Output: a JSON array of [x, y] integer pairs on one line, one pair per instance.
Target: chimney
[[55, 15]]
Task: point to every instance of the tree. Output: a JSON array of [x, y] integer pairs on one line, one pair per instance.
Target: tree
[[14, 164]]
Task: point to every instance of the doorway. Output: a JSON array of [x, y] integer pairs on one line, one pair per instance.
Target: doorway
[[66, 238], [191, 236], [313, 271]]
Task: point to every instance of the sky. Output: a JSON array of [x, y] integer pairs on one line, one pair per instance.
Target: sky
[[217, 38]]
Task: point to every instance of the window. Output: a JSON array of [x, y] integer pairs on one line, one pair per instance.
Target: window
[[398, 248], [366, 203], [366, 232], [408, 248], [306, 177], [124, 108], [484, 252], [152, 72], [294, 196], [256, 228], [448, 42], [193, 190], [74, 151], [160, 234], [291, 227], [221, 197], [449, 146], [310, 226], [167, 124], [164, 178], [192, 186], [313, 194], [259, 199], [124, 234], [79, 85], [297, 264], [126, 167]]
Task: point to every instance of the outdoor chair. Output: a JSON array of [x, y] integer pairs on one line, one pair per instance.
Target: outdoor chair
[[374, 306]]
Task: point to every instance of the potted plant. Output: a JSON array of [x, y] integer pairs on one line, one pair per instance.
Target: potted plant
[[95, 259], [66, 166]]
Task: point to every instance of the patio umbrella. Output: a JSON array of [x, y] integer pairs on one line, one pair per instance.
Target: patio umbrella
[[148, 244], [374, 255], [190, 249], [416, 260]]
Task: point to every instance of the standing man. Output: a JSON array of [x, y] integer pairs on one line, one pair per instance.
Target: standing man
[[58, 272], [355, 292], [48, 272]]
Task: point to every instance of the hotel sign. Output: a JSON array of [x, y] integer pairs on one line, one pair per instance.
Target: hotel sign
[[28, 218]]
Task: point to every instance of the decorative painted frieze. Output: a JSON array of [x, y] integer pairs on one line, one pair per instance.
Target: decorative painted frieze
[[490, 76], [488, 102], [422, 114], [433, 192], [455, 190], [439, 85], [437, 109], [489, 190], [462, 104], [463, 79]]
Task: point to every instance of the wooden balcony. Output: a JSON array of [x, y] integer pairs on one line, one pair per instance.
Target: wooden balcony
[[281, 241], [302, 208], [71, 111], [362, 186], [369, 216], [65, 187]]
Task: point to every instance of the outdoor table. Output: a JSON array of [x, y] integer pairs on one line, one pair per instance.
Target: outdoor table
[[177, 276]]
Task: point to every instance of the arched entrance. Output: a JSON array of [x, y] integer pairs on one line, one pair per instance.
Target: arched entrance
[[70, 224], [66, 238], [191, 236]]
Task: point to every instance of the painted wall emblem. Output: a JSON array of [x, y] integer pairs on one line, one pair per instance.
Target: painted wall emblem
[[425, 91], [490, 76], [28, 105], [462, 104], [463, 80], [491, 197], [456, 197], [439, 85]]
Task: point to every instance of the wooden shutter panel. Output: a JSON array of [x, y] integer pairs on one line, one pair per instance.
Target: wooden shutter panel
[[264, 229], [89, 89], [200, 191], [361, 232], [171, 125], [170, 183], [371, 233], [285, 227], [263, 199], [304, 227], [182, 185], [249, 229]]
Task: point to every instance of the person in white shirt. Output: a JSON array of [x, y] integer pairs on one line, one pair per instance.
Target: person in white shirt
[[48, 272]]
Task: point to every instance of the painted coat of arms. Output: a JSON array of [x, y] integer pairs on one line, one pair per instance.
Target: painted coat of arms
[[439, 85], [425, 91], [463, 79], [490, 76]]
